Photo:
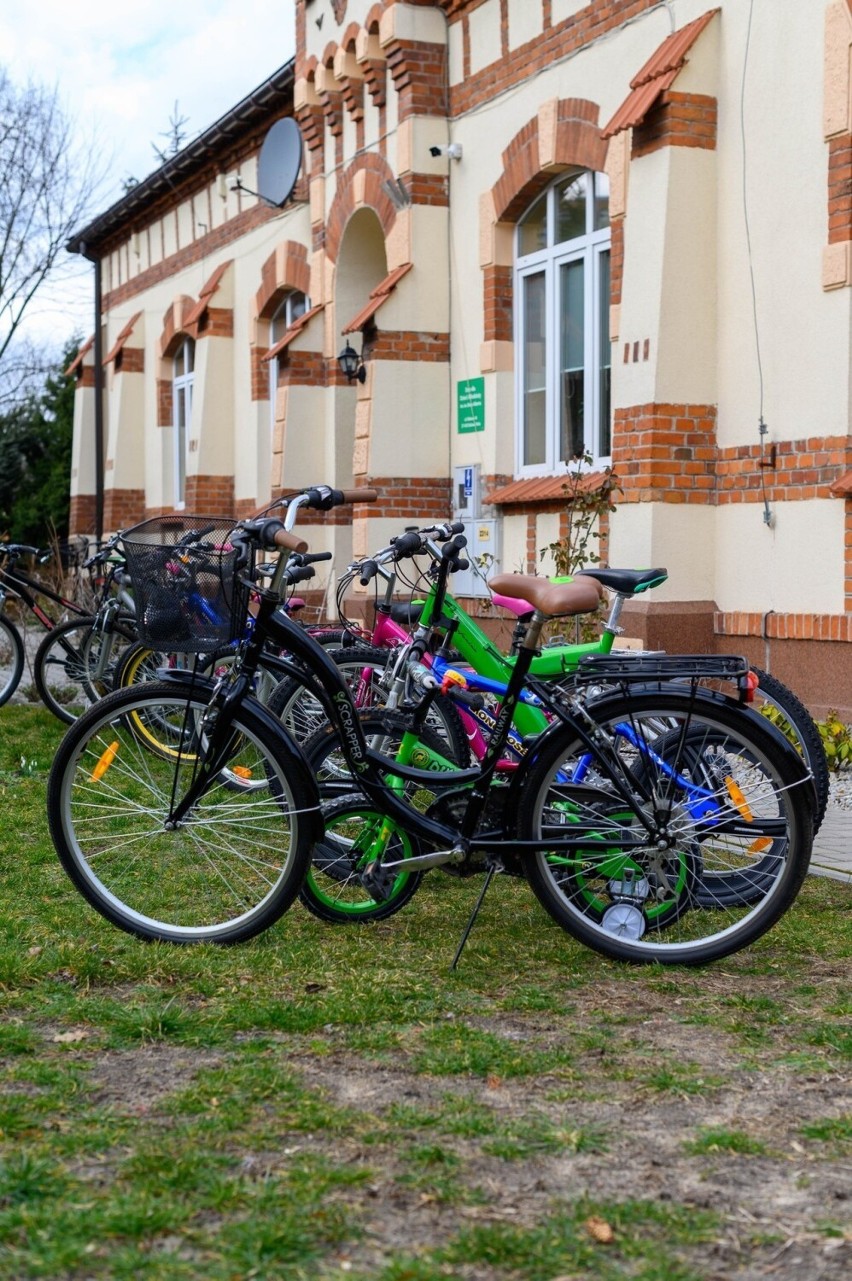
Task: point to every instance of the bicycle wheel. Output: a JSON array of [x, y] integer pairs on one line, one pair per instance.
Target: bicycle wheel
[[75, 664], [362, 668], [788, 714], [343, 885], [222, 874], [11, 659], [640, 896]]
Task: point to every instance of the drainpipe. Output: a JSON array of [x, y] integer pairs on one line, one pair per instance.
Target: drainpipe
[[94, 258]]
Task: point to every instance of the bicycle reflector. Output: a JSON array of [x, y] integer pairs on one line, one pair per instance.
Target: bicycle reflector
[[106, 759]]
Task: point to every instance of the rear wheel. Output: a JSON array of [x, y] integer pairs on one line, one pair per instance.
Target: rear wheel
[[788, 714], [647, 895], [223, 873], [75, 664]]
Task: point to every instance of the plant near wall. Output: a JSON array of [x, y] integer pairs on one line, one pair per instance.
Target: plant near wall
[[589, 496], [837, 741]]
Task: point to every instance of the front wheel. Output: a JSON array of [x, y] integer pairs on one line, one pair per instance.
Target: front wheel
[[11, 659], [639, 895], [227, 869]]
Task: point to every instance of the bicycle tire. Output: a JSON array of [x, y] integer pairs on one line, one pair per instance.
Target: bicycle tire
[[589, 894], [227, 871], [334, 889], [302, 714], [11, 659], [798, 726], [67, 660]]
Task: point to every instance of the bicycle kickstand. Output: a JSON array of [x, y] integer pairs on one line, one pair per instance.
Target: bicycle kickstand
[[493, 869]]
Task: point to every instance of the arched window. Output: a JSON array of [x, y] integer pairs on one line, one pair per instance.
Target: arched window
[[183, 376], [293, 305], [562, 324]]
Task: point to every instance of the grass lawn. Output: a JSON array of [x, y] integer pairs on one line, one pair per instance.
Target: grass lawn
[[333, 1102]]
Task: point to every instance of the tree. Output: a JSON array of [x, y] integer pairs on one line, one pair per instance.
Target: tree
[[49, 181], [35, 459]]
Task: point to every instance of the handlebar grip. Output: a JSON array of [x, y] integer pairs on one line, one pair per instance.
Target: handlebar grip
[[288, 541], [369, 569], [408, 545], [312, 558], [359, 496]]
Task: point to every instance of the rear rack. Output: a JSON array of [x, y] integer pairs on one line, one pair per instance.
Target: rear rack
[[643, 667]]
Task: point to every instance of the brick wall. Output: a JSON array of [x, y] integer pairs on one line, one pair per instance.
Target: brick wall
[[666, 453], [840, 188], [677, 120]]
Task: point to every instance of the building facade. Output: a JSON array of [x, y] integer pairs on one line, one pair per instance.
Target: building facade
[[612, 228]]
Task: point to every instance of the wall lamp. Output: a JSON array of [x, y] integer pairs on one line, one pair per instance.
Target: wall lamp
[[352, 365]]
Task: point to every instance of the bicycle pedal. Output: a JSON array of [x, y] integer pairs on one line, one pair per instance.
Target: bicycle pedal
[[379, 881]]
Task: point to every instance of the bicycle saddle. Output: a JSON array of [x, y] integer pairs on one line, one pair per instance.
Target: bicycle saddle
[[577, 597], [627, 582]]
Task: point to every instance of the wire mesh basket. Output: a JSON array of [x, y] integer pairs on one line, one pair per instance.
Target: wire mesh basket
[[189, 596]]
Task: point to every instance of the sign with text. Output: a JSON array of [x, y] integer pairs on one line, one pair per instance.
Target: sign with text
[[470, 399]]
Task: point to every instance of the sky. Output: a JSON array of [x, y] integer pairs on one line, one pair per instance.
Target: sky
[[120, 68]]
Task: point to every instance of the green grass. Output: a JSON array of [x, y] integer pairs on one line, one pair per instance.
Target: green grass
[[335, 1101]]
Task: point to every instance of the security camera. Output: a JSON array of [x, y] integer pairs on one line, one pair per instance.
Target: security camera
[[453, 151]]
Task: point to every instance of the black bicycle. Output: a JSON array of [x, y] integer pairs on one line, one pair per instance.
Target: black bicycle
[[182, 810]]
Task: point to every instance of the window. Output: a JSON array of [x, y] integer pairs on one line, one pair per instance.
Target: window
[[294, 305], [183, 376], [562, 324]]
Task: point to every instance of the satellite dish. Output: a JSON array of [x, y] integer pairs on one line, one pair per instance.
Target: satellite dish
[[279, 162]]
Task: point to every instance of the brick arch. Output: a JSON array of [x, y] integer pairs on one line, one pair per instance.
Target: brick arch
[[564, 133], [360, 187], [285, 269], [176, 326], [373, 19], [350, 36], [328, 53]]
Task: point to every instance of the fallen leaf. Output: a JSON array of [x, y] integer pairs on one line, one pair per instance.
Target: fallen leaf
[[69, 1037], [599, 1230]]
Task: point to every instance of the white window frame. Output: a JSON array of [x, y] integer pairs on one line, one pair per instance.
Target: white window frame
[[292, 306], [183, 381], [588, 249]]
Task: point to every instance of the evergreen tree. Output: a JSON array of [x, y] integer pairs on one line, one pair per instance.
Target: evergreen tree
[[35, 460]]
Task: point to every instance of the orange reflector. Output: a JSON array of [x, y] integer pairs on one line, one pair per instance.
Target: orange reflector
[[241, 771], [762, 843], [738, 800], [105, 761]]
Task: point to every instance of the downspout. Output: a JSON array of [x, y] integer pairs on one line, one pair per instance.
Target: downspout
[[99, 396]]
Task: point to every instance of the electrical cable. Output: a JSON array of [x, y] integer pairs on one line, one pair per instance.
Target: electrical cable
[[762, 428]]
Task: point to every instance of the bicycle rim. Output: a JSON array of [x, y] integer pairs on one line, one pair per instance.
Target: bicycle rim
[[224, 873]]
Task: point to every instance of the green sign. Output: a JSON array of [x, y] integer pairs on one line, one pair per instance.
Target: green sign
[[471, 404]]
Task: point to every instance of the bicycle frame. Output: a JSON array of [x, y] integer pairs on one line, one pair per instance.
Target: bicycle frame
[[17, 583]]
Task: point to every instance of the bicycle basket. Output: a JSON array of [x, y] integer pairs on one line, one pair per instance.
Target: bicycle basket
[[189, 596]]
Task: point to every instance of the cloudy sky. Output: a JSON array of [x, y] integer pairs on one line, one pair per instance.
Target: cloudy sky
[[120, 69]]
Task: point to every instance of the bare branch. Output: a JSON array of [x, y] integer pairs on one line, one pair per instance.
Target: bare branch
[[49, 182]]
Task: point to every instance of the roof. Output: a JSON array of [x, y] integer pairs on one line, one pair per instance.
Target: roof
[[379, 295], [206, 292], [276, 93], [657, 75]]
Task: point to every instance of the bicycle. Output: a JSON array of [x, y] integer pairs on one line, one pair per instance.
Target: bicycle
[[468, 651], [76, 662], [26, 589], [163, 850]]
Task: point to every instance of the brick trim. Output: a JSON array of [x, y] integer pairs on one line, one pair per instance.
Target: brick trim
[[376, 170], [840, 188], [202, 248], [677, 120], [406, 344], [772, 626]]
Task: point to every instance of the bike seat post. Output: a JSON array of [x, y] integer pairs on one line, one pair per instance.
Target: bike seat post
[[611, 624]]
